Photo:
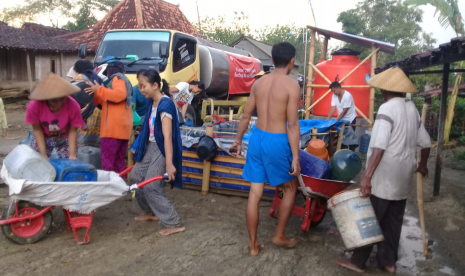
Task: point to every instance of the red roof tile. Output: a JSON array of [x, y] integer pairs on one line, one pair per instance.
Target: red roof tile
[[16, 38], [43, 30], [156, 14]]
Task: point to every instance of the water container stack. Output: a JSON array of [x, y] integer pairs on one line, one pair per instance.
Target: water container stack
[[365, 142], [25, 163]]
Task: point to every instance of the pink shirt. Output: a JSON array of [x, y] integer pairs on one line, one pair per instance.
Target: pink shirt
[[55, 123]]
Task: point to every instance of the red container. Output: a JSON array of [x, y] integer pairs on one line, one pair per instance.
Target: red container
[[344, 61]]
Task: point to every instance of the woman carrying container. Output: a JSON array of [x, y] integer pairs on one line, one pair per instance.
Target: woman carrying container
[[158, 150], [116, 118], [55, 117]]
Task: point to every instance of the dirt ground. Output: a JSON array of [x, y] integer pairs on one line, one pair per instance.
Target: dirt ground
[[215, 242]]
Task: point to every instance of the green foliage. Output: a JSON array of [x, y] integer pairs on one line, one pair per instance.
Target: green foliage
[[218, 29], [460, 156], [55, 9], [458, 124], [447, 10], [389, 21], [83, 20]]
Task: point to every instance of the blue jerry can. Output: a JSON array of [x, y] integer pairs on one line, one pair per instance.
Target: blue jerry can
[[69, 170]]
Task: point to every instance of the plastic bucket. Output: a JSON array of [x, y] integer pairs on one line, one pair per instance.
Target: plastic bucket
[[317, 147], [206, 150], [355, 219]]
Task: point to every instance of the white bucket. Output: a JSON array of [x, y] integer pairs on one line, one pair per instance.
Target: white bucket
[[355, 219]]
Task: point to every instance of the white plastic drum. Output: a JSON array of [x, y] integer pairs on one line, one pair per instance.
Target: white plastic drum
[[355, 219]]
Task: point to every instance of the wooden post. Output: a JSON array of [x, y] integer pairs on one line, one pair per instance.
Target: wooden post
[[29, 71], [308, 97], [231, 114], [62, 66], [442, 121], [324, 51], [339, 138], [314, 133], [371, 115], [421, 210], [332, 135], [206, 167]]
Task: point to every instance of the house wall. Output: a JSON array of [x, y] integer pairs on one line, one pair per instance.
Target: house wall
[[63, 63], [255, 51], [13, 66]]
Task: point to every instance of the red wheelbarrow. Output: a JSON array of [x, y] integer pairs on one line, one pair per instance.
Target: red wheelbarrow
[[316, 192], [24, 222]]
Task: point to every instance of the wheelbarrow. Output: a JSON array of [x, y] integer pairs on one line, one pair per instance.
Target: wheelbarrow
[[316, 192], [25, 222]]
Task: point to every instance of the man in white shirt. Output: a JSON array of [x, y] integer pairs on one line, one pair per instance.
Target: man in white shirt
[[391, 165], [183, 93], [344, 103]]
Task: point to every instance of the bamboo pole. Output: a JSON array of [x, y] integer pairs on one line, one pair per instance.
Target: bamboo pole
[[421, 210], [308, 97], [451, 105], [371, 112], [324, 51], [319, 72], [339, 138], [314, 133], [206, 168], [363, 115], [353, 70]]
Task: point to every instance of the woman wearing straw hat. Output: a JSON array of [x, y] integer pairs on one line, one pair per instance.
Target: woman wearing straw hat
[[396, 134], [55, 117]]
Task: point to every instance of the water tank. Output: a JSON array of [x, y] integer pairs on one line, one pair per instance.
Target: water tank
[[343, 61]]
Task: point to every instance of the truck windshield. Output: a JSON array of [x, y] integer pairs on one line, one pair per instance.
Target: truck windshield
[[134, 45]]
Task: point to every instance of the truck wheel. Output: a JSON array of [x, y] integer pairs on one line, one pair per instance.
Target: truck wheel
[[29, 231], [190, 115]]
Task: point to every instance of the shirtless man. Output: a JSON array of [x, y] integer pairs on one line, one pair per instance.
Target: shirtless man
[[273, 148]]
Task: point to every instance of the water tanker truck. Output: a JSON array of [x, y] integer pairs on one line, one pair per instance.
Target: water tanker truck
[[226, 72]]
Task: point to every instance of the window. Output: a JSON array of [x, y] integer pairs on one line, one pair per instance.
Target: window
[[183, 54], [53, 67]]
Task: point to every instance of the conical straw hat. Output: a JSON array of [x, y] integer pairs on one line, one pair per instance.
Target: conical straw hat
[[394, 80], [52, 87]]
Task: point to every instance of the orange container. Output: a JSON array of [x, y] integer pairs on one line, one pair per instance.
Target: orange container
[[343, 61], [317, 147]]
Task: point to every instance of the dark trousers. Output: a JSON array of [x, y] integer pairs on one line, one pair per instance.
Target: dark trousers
[[390, 215], [353, 123]]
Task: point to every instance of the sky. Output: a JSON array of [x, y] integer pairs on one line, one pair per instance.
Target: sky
[[272, 12]]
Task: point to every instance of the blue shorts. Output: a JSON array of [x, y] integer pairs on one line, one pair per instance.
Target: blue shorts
[[269, 158]]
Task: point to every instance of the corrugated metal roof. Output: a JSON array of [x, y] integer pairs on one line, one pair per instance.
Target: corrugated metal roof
[[448, 52], [355, 39]]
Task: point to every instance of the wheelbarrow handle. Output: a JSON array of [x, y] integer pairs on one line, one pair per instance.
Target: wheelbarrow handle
[[123, 173], [148, 181]]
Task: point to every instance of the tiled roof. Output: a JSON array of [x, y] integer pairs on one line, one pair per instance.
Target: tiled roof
[[16, 38], [134, 14], [43, 30]]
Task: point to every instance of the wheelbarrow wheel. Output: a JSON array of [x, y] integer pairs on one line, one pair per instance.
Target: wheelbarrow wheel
[[29, 231], [319, 213]]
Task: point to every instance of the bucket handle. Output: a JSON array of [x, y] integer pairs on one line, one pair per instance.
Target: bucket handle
[[341, 192]]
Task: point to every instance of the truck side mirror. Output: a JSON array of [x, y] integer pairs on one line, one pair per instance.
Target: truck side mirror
[[164, 49], [82, 51]]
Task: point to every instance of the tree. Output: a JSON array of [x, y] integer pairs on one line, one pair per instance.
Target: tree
[[293, 35], [448, 15], [218, 29], [83, 20], [390, 21], [31, 10]]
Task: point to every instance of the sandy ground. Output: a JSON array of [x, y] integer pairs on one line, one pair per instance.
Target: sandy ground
[[215, 242]]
